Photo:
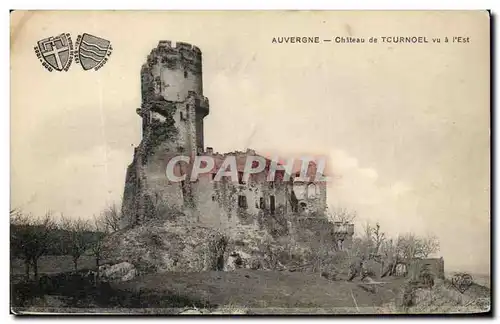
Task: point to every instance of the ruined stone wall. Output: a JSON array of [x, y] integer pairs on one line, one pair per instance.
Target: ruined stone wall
[[130, 196], [433, 265], [223, 204], [176, 70], [228, 204], [172, 112], [173, 73], [311, 196]]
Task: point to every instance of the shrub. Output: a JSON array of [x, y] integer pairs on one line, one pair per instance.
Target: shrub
[[406, 297]]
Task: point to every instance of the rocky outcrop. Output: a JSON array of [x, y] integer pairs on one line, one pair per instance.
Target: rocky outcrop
[[123, 271], [182, 246], [176, 244], [165, 246]]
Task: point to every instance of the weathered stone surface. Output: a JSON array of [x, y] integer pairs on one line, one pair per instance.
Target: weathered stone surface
[[245, 248], [122, 271], [204, 224], [179, 245], [233, 262], [172, 110], [162, 246]]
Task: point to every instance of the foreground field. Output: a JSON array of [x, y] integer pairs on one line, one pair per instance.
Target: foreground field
[[252, 292], [262, 290], [240, 291]]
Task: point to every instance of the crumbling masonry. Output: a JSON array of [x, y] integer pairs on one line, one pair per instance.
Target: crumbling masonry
[[172, 111]]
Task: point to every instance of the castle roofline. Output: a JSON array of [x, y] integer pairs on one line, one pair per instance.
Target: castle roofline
[[177, 45]]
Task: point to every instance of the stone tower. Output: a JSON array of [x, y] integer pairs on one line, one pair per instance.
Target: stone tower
[[172, 91], [172, 112]]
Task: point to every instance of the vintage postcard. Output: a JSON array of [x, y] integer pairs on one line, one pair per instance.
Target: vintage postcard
[[250, 162]]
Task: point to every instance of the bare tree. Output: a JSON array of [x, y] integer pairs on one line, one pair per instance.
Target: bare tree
[[429, 245], [365, 242], [388, 249], [378, 237], [411, 246], [77, 234], [390, 258], [407, 246], [111, 217], [31, 237], [323, 246], [340, 214], [96, 246], [367, 232], [19, 237]]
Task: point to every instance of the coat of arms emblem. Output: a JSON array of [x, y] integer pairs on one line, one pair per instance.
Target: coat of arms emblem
[[56, 51], [92, 51]]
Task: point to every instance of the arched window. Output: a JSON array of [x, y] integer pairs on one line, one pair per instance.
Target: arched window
[[311, 191]]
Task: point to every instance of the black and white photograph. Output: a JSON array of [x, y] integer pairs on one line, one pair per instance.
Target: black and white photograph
[[250, 162]]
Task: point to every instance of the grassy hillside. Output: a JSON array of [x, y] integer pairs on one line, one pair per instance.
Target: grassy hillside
[[260, 290], [255, 292]]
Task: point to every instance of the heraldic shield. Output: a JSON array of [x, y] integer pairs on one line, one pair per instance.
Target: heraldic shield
[[92, 51], [55, 51]]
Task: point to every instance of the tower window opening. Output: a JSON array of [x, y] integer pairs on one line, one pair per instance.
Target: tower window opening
[[182, 116], [272, 204], [242, 201], [185, 74], [240, 178], [340, 245], [312, 191], [262, 203]]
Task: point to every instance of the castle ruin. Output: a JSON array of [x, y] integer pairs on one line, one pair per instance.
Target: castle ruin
[[172, 111]]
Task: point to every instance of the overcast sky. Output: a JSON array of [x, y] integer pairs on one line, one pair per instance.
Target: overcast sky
[[405, 126]]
